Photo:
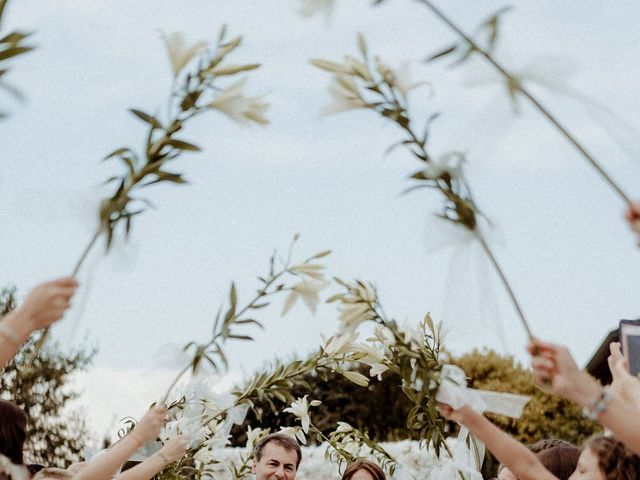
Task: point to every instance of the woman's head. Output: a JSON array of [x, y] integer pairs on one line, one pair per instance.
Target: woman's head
[[13, 431], [561, 460], [604, 458], [363, 470]]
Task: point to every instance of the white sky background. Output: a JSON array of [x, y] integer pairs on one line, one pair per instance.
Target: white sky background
[[563, 242]]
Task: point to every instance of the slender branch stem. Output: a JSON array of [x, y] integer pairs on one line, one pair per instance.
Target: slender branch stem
[[45, 334], [173, 384], [86, 251], [594, 163], [505, 282]]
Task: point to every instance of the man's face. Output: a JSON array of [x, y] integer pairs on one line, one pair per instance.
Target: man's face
[[276, 463]]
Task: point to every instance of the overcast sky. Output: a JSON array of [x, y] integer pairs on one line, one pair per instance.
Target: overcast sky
[[560, 237]]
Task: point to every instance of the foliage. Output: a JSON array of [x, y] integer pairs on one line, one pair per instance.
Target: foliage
[[56, 436], [380, 409], [371, 84], [195, 90], [12, 44]]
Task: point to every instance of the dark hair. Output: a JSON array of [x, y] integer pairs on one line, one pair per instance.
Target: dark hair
[[372, 468], [284, 441], [560, 460], [615, 460], [547, 443], [13, 431]]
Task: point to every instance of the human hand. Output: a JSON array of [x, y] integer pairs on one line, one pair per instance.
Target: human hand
[[633, 216], [174, 449], [455, 415], [149, 427], [46, 303], [554, 369], [624, 385]]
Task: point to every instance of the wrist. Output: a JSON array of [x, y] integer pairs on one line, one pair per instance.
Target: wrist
[[163, 458], [582, 389], [136, 438], [465, 414], [16, 326]]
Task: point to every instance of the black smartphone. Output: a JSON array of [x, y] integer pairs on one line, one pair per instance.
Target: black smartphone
[[630, 340]]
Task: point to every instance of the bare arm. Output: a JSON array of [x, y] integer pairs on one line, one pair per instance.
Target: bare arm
[[45, 305], [173, 450], [555, 370], [511, 453], [106, 466]]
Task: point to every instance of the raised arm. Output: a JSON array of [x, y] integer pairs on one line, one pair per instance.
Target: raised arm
[[511, 453], [555, 370], [105, 466], [173, 450], [45, 305]]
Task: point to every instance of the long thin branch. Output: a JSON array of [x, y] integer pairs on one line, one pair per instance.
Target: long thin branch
[[505, 282], [594, 163]]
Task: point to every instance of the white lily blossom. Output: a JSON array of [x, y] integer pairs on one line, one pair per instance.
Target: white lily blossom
[[377, 369], [345, 94], [450, 163], [238, 107], [308, 291], [179, 52], [254, 435], [300, 409], [312, 270], [353, 314], [340, 344], [383, 335], [399, 78]]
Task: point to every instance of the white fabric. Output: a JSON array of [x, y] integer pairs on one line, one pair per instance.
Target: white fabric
[[467, 452]]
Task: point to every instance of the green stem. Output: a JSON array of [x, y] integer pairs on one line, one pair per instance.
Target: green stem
[[594, 163]]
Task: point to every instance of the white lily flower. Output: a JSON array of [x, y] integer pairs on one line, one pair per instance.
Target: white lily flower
[[179, 53], [215, 403], [300, 409], [377, 369], [450, 163], [309, 291], [345, 94], [371, 355], [383, 335], [239, 108], [401, 80], [294, 432], [204, 456], [339, 344], [343, 427], [353, 314], [254, 435], [311, 7], [312, 270]]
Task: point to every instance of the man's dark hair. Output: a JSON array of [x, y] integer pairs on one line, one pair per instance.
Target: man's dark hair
[[280, 439]]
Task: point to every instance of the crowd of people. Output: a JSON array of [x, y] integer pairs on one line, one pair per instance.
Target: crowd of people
[[612, 456]]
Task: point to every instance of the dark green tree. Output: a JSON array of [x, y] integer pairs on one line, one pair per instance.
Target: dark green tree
[[56, 435]]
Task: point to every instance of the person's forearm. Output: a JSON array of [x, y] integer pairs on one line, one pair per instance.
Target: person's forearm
[[145, 470], [105, 466], [515, 456], [621, 418], [13, 334]]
